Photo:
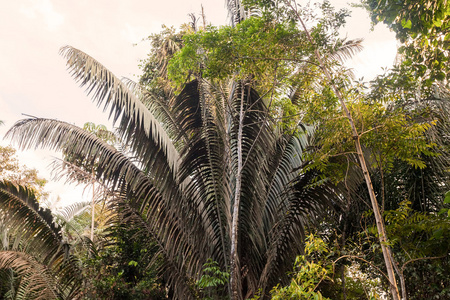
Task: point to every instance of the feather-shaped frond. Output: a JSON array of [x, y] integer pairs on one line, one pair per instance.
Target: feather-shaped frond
[[36, 235], [345, 49], [258, 142], [36, 283], [285, 160], [170, 219], [111, 165], [303, 203], [204, 161], [106, 88], [160, 106], [236, 11], [23, 199], [67, 213]]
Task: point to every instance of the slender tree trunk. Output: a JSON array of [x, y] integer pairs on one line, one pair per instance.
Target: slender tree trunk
[[235, 275], [383, 196], [93, 209], [402, 279], [344, 287], [362, 161], [403, 286], [378, 219]]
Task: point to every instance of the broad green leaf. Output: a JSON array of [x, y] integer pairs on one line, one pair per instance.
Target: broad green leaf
[[406, 24], [447, 198]]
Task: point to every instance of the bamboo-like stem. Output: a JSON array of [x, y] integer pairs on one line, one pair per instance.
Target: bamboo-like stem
[[379, 220]]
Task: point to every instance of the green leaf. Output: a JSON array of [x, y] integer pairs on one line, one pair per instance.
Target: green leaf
[[438, 23], [133, 263], [443, 211], [406, 24], [438, 234], [447, 198]]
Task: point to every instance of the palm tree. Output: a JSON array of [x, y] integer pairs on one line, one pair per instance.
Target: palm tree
[[35, 263], [207, 173], [214, 179]]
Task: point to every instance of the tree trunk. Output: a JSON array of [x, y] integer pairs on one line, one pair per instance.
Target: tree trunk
[[362, 161], [235, 275], [93, 210], [376, 211]]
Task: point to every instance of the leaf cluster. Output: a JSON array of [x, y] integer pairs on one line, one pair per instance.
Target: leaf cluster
[[417, 234], [11, 170], [387, 132], [125, 268], [422, 26], [212, 279], [310, 269], [267, 48]]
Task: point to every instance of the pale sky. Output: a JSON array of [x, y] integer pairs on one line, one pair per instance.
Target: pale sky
[[34, 80]]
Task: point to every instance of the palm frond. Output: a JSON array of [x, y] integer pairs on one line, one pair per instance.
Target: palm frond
[[23, 203], [161, 107], [345, 49], [204, 161], [236, 11], [305, 203], [169, 219], [107, 89], [36, 282], [258, 143], [111, 164], [69, 212], [39, 238]]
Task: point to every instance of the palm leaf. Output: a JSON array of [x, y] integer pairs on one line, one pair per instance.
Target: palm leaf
[[74, 141], [160, 107], [345, 49], [236, 11], [204, 161], [38, 243], [36, 283], [135, 118], [117, 171]]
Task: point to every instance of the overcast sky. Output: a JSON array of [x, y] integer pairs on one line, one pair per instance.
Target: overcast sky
[[34, 80]]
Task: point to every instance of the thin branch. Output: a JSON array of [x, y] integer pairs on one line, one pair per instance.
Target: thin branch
[[367, 131], [343, 153], [421, 258], [280, 59]]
